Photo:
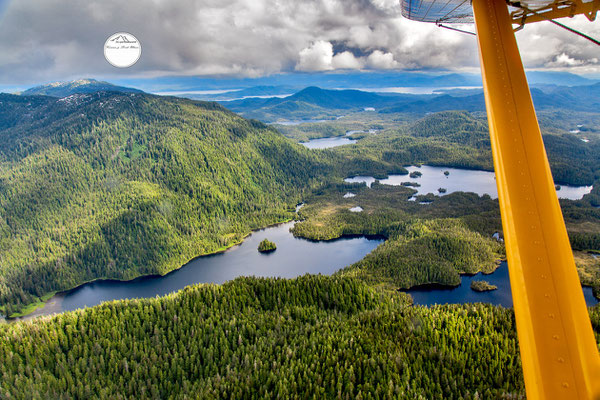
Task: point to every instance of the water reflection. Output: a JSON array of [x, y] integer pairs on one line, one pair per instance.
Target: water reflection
[[464, 294], [293, 257], [460, 180], [326, 143]]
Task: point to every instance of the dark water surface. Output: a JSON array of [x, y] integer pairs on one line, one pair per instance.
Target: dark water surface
[[293, 257], [464, 294]]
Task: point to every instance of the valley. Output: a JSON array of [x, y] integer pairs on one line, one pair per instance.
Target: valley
[[117, 186], [377, 147]]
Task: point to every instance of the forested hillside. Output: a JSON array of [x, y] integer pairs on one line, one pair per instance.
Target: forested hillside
[[311, 337], [461, 139], [110, 185], [426, 244], [64, 89], [312, 103], [120, 185]]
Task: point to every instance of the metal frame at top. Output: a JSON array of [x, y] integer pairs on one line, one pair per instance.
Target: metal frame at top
[[521, 12], [438, 11]]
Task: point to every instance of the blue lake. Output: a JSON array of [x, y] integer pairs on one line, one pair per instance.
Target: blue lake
[[464, 294], [293, 257], [459, 180]]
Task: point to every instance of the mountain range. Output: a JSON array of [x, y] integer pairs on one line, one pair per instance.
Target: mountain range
[[313, 102], [237, 94], [345, 80], [109, 184]]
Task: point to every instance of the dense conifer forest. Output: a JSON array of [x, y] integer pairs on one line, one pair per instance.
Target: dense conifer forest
[[458, 139], [266, 246], [433, 242], [310, 337]]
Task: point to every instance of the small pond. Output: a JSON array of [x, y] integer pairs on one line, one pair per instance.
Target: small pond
[[326, 143]]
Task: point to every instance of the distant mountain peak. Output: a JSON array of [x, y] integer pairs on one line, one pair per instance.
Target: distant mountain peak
[[77, 82], [84, 85], [87, 81], [313, 89]]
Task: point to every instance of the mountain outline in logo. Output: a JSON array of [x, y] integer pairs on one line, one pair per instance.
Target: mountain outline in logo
[[123, 39]]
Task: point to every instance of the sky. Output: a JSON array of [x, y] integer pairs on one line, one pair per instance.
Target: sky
[[51, 40]]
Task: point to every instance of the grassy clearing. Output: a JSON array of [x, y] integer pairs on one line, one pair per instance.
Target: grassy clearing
[[28, 309]]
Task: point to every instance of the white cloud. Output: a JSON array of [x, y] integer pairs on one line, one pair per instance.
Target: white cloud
[[544, 45], [360, 36], [317, 57], [563, 60], [58, 39], [347, 60], [380, 60]]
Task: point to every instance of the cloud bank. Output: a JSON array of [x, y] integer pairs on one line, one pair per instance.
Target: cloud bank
[[47, 40]]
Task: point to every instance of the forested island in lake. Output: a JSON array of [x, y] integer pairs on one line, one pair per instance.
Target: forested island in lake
[[482, 286], [266, 246]]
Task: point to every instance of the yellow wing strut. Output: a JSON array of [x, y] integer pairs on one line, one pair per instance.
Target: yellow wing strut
[[558, 349]]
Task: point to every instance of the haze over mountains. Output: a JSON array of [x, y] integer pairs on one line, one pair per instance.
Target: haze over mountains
[[313, 102], [99, 182], [355, 142], [272, 103], [346, 80]]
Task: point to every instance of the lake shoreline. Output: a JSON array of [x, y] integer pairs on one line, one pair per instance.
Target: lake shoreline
[[62, 293], [430, 294], [34, 308], [455, 179], [445, 286], [343, 237], [56, 299]]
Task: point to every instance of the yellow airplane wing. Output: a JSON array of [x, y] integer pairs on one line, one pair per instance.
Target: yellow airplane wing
[[558, 349]]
